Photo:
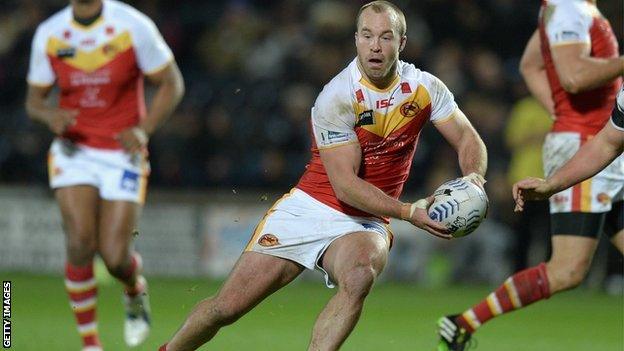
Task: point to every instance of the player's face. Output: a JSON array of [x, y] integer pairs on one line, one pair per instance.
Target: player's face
[[378, 43]]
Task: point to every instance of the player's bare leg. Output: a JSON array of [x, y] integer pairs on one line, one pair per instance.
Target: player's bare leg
[[566, 269], [254, 277], [354, 262], [117, 222], [618, 241], [79, 208], [570, 261]]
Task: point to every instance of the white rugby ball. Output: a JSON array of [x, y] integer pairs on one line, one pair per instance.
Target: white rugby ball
[[460, 205]]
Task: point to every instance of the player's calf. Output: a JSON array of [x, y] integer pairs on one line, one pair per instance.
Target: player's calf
[[565, 275]]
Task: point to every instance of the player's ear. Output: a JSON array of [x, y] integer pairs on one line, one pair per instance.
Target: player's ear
[[402, 43], [355, 35]]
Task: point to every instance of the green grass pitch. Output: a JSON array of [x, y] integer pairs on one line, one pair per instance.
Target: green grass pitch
[[396, 317]]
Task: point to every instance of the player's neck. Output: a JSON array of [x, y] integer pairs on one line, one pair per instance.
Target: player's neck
[[383, 82], [86, 11]]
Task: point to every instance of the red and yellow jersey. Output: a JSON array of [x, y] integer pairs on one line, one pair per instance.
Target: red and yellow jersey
[[564, 22], [386, 123], [99, 68]]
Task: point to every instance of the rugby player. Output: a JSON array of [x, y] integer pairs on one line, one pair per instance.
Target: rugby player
[[97, 53], [365, 125]]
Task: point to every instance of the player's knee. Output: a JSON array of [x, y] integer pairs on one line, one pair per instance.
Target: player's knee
[[116, 262], [358, 281]]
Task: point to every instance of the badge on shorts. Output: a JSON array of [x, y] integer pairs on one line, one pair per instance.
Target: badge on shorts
[[374, 227], [268, 240], [129, 181]]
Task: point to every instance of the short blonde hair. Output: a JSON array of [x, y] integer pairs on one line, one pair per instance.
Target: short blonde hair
[[385, 6]]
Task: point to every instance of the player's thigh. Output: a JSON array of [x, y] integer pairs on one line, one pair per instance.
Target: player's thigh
[[117, 222], [79, 210], [254, 277], [355, 250]]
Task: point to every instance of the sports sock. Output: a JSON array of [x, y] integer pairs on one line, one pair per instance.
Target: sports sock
[[82, 289], [518, 291]]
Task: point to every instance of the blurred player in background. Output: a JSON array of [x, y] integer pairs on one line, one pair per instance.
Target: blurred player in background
[[97, 52], [594, 156], [366, 124], [571, 66]]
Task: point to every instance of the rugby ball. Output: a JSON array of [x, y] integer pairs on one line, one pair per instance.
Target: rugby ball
[[460, 205]]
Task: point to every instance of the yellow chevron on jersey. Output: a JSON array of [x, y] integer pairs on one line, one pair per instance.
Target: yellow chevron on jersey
[[91, 60], [400, 115]]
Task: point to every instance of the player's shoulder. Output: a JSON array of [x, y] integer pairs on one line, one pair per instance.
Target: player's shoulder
[[417, 77], [57, 20], [409, 71], [339, 88], [126, 13]]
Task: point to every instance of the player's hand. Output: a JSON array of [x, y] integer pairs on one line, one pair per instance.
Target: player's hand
[[418, 214], [475, 179], [133, 140], [530, 189], [61, 119]]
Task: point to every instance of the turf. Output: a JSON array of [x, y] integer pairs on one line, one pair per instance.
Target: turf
[[396, 317]]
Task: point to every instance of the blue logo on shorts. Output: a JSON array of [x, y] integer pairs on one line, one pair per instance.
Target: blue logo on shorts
[[129, 181]]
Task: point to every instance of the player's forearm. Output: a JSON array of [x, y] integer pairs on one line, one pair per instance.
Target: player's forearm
[[366, 197], [472, 153], [163, 104], [589, 160], [537, 82], [591, 72]]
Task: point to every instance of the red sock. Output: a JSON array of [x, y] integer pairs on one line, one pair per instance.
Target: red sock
[[163, 348], [131, 274], [518, 291], [81, 287]]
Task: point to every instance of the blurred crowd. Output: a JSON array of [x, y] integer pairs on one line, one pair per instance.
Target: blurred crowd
[[254, 68]]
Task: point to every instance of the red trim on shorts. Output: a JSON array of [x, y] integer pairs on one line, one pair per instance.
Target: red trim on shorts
[[576, 198]]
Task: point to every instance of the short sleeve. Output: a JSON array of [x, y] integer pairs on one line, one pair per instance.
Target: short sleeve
[[152, 52], [442, 100], [568, 25], [40, 70], [617, 116], [333, 120]]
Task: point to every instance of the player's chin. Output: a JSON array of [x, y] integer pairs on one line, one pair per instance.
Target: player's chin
[[376, 72]]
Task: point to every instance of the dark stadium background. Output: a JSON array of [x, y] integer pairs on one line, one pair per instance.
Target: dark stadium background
[[252, 70]]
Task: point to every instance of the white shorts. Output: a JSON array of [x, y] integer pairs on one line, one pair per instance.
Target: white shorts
[[300, 228], [593, 195], [118, 175]]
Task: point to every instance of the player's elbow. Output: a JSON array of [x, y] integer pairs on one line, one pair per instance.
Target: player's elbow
[[341, 186], [342, 193], [525, 68], [570, 85], [179, 87]]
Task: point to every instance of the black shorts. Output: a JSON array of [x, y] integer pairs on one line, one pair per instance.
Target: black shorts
[[588, 224]]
